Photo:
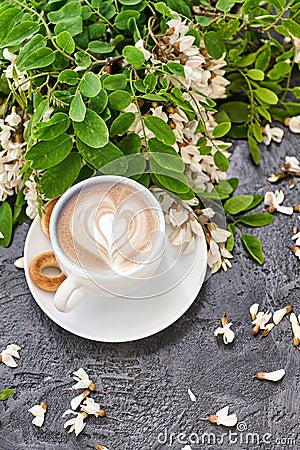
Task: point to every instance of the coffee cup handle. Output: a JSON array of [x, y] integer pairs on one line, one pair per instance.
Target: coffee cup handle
[[69, 294]]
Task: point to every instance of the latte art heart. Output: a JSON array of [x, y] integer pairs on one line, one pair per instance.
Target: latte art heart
[[108, 228]]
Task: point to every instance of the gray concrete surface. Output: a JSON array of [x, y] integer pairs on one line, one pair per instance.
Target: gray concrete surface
[[146, 382]]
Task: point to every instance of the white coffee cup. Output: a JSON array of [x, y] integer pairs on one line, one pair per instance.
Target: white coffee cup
[[81, 281]]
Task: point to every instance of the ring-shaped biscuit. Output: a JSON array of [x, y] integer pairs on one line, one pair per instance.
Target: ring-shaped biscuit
[[45, 282]]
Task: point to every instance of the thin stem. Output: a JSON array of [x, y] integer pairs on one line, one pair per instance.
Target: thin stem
[[138, 108], [101, 16]]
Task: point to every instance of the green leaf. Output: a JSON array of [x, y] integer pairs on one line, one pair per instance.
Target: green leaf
[[131, 144], [266, 95], [96, 30], [254, 247], [254, 150], [7, 20], [19, 205], [162, 8], [41, 57], [160, 129], [176, 68], [292, 27], [66, 172], [263, 58], [221, 129], [114, 82], [90, 85], [82, 59], [68, 76], [54, 127], [98, 103], [70, 10], [181, 7], [257, 219], [249, 6], [214, 44], [256, 74], [19, 33], [121, 21], [6, 393], [264, 113], [92, 130], [36, 42], [77, 108], [230, 240], [234, 182], [119, 100], [257, 199], [237, 111], [238, 203], [203, 20], [130, 2], [100, 157], [221, 161], [100, 47], [6, 223], [46, 154], [122, 124], [133, 56], [65, 41], [225, 5], [171, 180], [166, 156]]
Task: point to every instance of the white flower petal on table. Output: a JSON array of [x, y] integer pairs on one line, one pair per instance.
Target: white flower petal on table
[[90, 406], [19, 263], [295, 325], [279, 315], [82, 378], [254, 310], [76, 424], [276, 375], [228, 334], [75, 402], [192, 395], [288, 210], [294, 124], [39, 412]]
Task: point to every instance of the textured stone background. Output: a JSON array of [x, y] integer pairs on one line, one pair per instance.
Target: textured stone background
[[146, 382]]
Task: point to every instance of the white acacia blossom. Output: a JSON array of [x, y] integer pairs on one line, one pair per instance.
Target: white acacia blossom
[[275, 200], [192, 395], [7, 356], [22, 81], [280, 313], [82, 378], [274, 133], [276, 375], [76, 424], [295, 322], [90, 407], [225, 330], [223, 418], [38, 411], [294, 124]]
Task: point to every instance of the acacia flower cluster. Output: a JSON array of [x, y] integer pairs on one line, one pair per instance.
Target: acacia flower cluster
[[290, 168], [87, 405], [261, 320], [9, 353]]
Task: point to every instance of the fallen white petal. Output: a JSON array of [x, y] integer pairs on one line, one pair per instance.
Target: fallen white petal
[[254, 310], [224, 419], [19, 263], [192, 395], [39, 412], [285, 210], [295, 325], [75, 402], [187, 447], [82, 378], [271, 376], [279, 315], [90, 406]]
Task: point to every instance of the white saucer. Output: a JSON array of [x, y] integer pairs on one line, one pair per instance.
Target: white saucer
[[120, 319]]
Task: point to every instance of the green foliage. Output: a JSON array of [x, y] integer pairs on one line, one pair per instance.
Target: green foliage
[[80, 60], [6, 393], [6, 222]]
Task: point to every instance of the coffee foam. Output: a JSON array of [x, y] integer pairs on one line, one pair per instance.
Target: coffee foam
[[108, 228]]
